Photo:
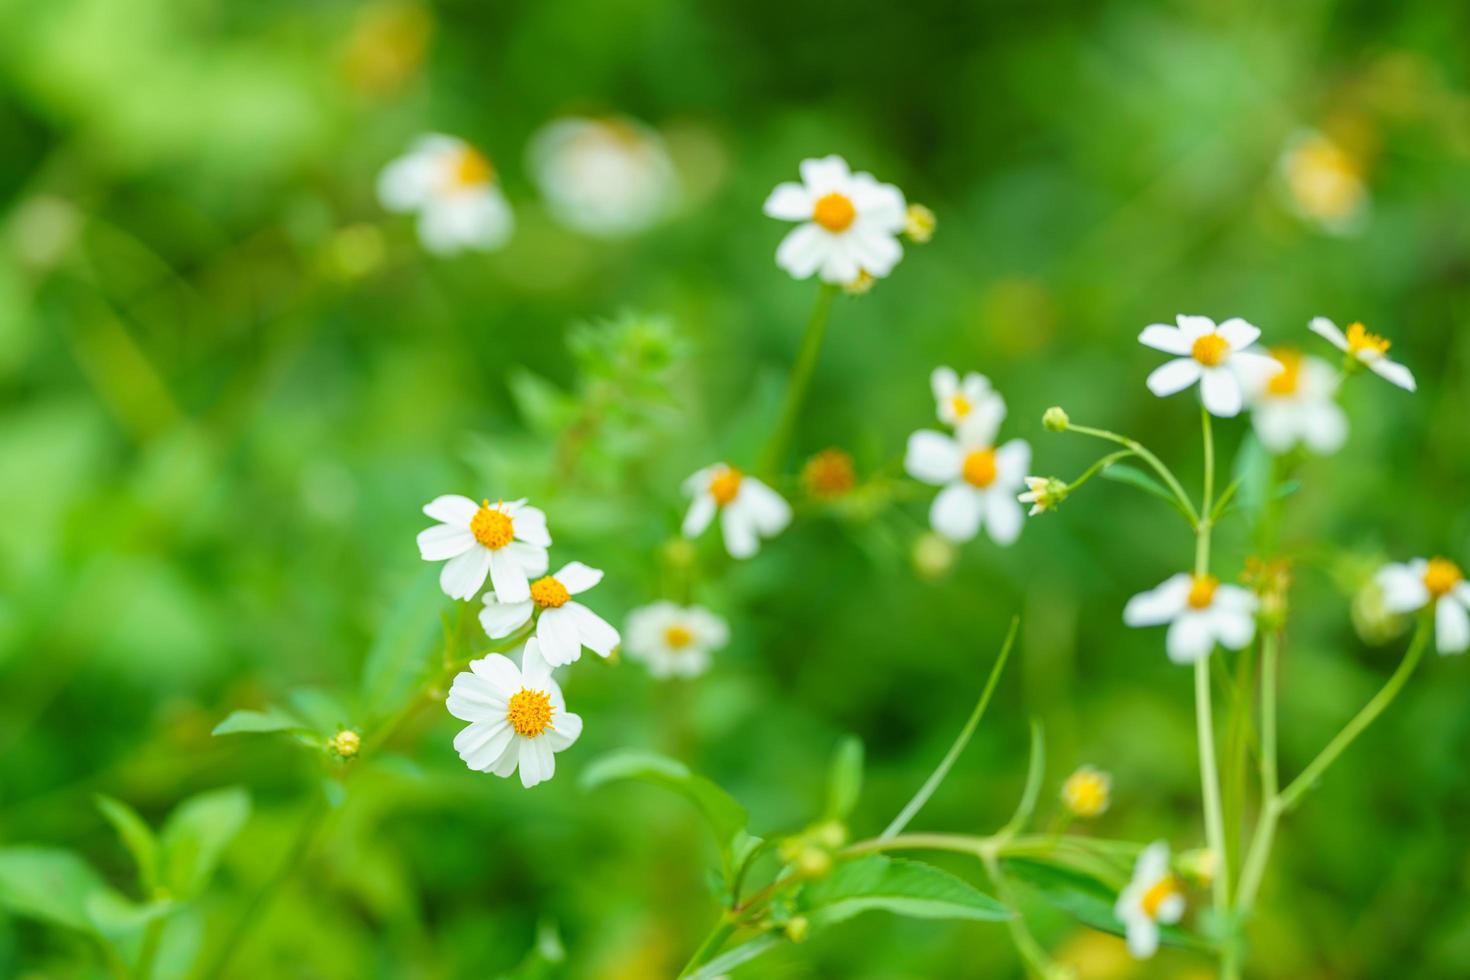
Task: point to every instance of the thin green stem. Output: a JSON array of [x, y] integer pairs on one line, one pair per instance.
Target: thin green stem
[[1099, 466], [148, 951], [1038, 963], [1148, 457], [1204, 523], [1210, 779], [717, 938], [796, 386]]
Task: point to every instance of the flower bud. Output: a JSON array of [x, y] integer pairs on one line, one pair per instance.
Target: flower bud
[[1043, 493], [1199, 866], [345, 744], [1055, 419], [797, 928], [1087, 792], [919, 224], [862, 284]]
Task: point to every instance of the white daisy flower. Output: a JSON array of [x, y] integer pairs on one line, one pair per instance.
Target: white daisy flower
[[673, 640], [1153, 896], [1200, 612], [749, 510], [506, 541], [956, 398], [1216, 357], [451, 187], [602, 177], [1296, 405], [1366, 348], [517, 716], [1410, 587], [563, 627], [979, 480], [850, 223]]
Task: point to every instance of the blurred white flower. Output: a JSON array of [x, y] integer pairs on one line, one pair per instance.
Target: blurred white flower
[[1087, 792], [1216, 357], [451, 187], [1438, 581], [749, 510], [1297, 405], [955, 398], [1324, 183], [1153, 896], [506, 540], [602, 177], [1043, 493], [1365, 348], [1200, 612], [674, 640], [563, 627], [979, 480], [850, 223], [517, 716]]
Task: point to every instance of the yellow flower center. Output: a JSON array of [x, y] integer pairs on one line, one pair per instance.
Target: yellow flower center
[[529, 712], [1160, 892], [1442, 576], [1361, 341], [548, 593], [979, 468], [834, 212], [829, 474], [469, 168], [1210, 350], [1202, 591], [960, 406], [1086, 793], [492, 526], [345, 743], [677, 637], [1284, 383], [725, 484], [1323, 179]]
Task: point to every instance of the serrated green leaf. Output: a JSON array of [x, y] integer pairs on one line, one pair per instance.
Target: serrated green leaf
[[248, 722], [844, 778], [136, 836], [896, 885], [195, 836], [1086, 898], [400, 655], [49, 884]]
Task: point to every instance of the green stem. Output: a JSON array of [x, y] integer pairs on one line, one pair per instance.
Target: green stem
[[801, 375], [1038, 963], [1165, 474], [1204, 715], [148, 952], [717, 938], [1099, 466]]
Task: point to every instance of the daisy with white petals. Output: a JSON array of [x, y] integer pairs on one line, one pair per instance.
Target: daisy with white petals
[[1367, 349], [1297, 406], [979, 479], [1439, 582], [1200, 612], [506, 541], [603, 177], [749, 510], [1216, 357], [956, 398], [674, 640], [850, 223], [451, 187], [518, 717], [563, 627], [1154, 896]]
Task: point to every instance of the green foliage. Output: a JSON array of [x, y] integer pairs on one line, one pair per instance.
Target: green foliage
[[897, 885], [195, 835], [844, 779]]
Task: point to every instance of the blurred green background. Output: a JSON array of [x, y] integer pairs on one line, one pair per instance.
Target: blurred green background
[[229, 381]]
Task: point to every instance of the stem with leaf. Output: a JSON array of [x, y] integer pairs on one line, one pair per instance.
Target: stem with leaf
[[801, 375]]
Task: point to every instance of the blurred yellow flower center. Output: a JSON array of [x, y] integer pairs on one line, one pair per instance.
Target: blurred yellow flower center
[[1324, 180], [979, 468], [960, 406], [1210, 349], [346, 743], [469, 168], [834, 212], [529, 712], [1202, 591], [1361, 341], [1086, 793], [725, 484], [492, 526], [678, 637], [1284, 383], [1442, 576], [1161, 891], [829, 474], [548, 593]]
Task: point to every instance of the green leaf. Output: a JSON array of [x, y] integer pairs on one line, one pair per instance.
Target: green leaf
[[136, 836], [1135, 477], [49, 884], [844, 778], [1086, 898], [399, 655], [195, 835], [896, 885], [544, 407], [258, 722], [117, 915], [721, 965]]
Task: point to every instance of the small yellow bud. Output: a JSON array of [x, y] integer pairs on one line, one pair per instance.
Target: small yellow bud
[[1199, 865], [829, 474], [813, 862], [1087, 792], [933, 555], [1055, 419], [919, 224], [345, 744], [831, 834], [797, 928], [862, 284]]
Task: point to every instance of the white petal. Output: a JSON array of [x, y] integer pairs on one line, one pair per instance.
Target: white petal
[[1254, 368], [474, 698], [452, 509], [501, 619], [565, 729], [1325, 426], [560, 640], [980, 426], [463, 575], [956, 512], [1172, 376], [1238, 333], [1002, 517], [1194, 327], [444, 541], [529, 524], [839, 264], [597, 634], [1153, 864], [499, 671], [1012, 463], [803, 250], [790, 202], [1451, 625], [576, 577], [536, 672], [738, 528], [770, 512], [944, 383], [1160, 604], [824, 174], [1170, 340], [1220, 391], [1143, 936], [530, 557], [508, 576], [408, 182], [1190, 638], [538, 764], [483, 743], [875, 251], [1327, 330], [1276, 426], [709, 630], [932, 457], [701, 512], [1403, 589], [1393, 372], [1232, 627], [509, 759]]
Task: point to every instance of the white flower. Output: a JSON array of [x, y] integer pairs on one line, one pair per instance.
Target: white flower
[[1200, 612], [673, 640], [517, 716], [1295, 405], [979, 480], [749, 510], [1043, 493], [850, 222], [1153, 896], [1367, 348], [563, 627], [603, 177], [956, 399], [507, 541], [451, 187], [1410, 587], [1216, 357]]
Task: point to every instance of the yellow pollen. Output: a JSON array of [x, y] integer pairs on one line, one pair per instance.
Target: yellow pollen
[[529, 712], [469, 168], [1210, 349], [548, 593], [1360, 340], [492, 526], [1161, 891], [725, 484], [960, 405], [829, 474], [1202, 591], [1086, 793], [1442, 576], [834, 212], [678, 637], [979, 468], [1284, 383]]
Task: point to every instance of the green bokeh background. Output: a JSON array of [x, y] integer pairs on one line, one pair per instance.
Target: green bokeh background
[[228, 382]]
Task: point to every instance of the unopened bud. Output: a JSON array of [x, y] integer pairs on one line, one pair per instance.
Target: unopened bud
[[345, 744], [797, 928], [862, 284], [919, 224], [1055, 419]]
